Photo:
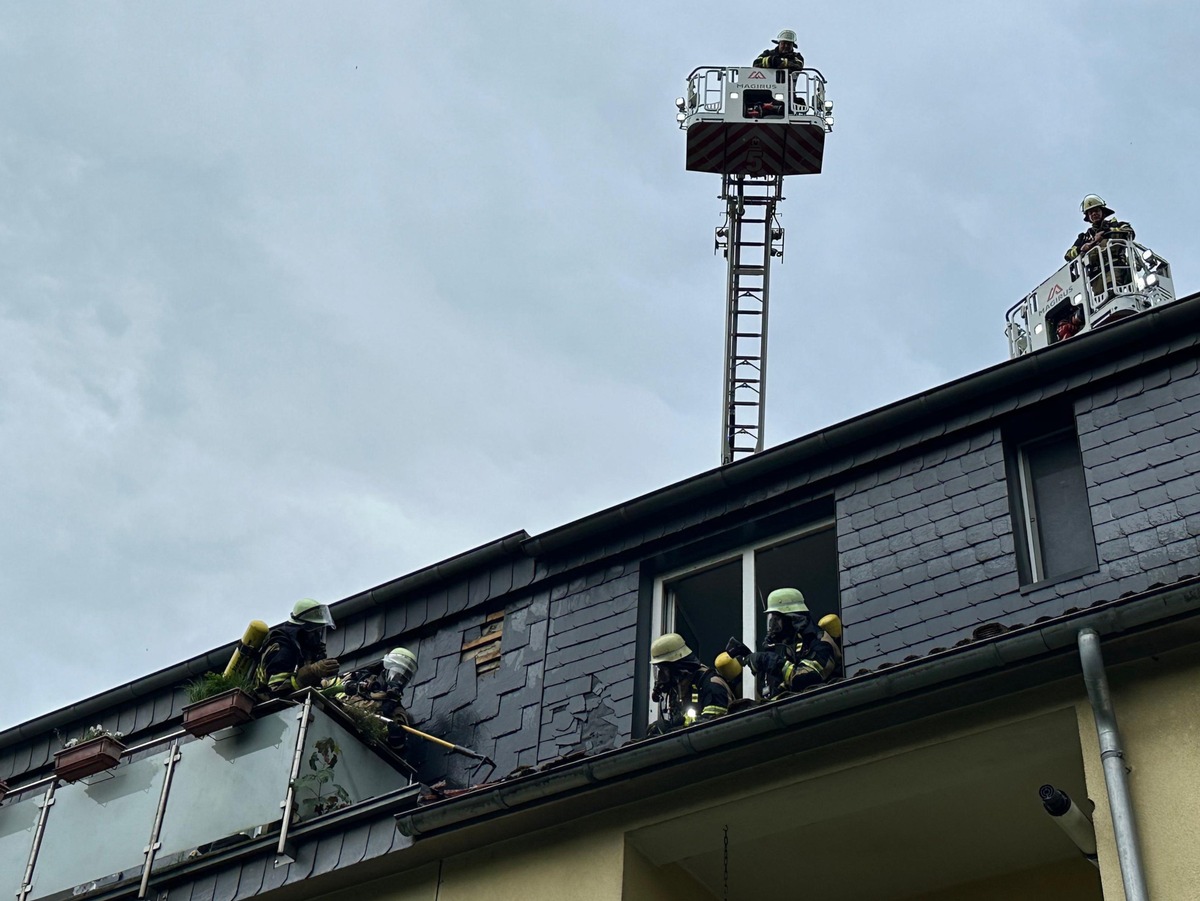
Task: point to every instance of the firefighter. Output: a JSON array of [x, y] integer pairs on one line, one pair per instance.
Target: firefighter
[[1102, 225], [685, 690], [796, 652], [293, 655], [379, 690], [783, 56]]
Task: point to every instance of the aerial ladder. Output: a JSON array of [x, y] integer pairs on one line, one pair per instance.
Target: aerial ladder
[[752, 127]]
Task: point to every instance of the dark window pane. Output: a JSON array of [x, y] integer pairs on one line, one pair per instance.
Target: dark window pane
[[1063, 522], [809, 563], [708, 608]]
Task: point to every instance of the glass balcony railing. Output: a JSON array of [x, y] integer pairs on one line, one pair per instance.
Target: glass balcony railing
[[179, 798]]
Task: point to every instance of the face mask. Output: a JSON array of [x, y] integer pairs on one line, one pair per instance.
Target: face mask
[[778, 627], [312, 640], [396, 680]]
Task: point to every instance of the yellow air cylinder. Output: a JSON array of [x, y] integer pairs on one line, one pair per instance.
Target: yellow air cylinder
[[832, 623], [728, 667], [244, 657]]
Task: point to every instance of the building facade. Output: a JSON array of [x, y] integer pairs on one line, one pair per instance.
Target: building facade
[[966, 536]]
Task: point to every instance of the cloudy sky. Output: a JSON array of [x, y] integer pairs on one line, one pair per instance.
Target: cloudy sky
[[296, 298]]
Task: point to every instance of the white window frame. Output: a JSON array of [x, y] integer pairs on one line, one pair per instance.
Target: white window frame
[[663, 609]]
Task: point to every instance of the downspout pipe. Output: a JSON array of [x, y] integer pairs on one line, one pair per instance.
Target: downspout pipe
[[1112, 757]]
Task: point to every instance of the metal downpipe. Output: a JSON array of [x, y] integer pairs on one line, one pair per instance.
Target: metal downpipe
[[1112, 757]]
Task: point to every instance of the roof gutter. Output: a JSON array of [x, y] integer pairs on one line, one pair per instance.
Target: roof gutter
[[1019, 646]]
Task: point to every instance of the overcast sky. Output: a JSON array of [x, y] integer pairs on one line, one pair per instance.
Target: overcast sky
[[296, 298]]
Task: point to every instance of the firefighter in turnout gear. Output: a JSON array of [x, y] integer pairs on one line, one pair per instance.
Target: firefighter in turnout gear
[[784, 55], [796, 652], [685, 690], [1102, 225], [293, 656], [379, 690]]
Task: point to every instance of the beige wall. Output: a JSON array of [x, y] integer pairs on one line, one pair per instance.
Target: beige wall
[[1078, 881], [558, 865], [646, 882], [1157, 703]]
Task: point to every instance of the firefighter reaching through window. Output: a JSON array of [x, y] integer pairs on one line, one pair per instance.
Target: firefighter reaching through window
[[783, 56], [685, 690], [797, 653]]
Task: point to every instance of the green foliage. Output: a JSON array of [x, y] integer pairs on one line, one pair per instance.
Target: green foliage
[[323, 794], [369, 726], [211, 684]]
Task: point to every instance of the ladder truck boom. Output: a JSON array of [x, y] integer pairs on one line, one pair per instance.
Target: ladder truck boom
[[752, 127]]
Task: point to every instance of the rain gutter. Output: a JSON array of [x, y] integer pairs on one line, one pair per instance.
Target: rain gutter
[[1024, 645]]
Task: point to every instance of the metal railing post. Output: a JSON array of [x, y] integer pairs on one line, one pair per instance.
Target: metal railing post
[[39, 831], [285, 825], [156, 830]]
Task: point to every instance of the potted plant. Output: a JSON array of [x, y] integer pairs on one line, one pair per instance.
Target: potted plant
[[98, 749], [217, 702]]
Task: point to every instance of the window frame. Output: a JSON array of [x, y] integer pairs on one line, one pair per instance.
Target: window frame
[[1023, 506], [662, 606]]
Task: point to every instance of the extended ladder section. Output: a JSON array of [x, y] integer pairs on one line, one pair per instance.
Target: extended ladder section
[[752, 126], [750, 237]]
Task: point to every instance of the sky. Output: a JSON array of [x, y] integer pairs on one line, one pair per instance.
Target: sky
[[296, 298]]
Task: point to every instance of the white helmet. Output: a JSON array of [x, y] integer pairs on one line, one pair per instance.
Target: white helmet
[[310, 612], [669, 648], [401, 662], [786, 35], [1092, 202], [786, 600]]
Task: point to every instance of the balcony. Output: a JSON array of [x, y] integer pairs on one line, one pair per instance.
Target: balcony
[[175, 799]]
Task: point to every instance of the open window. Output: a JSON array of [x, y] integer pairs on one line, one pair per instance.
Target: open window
[[1049, 504], [723, 596]]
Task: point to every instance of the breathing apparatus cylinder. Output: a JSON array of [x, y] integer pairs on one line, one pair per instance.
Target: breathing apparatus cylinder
[[245, 656]]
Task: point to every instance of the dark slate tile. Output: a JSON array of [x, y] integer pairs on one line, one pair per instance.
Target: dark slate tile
[[396, 619], [1182, 428], [1140, 481], [203, 888], [126, 719], [457, 599], [350, 636], [328, 853], [500, 579], [225, 887], [1182, 551], [250, 877]]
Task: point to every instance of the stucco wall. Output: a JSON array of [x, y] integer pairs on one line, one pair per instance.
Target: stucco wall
[[1158, 712]]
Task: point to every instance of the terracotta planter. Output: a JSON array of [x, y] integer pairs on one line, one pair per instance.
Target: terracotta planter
[[229, 708], [88, 758]]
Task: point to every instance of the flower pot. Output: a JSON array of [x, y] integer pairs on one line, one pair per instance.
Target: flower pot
[[229, 708], [88, 758]]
